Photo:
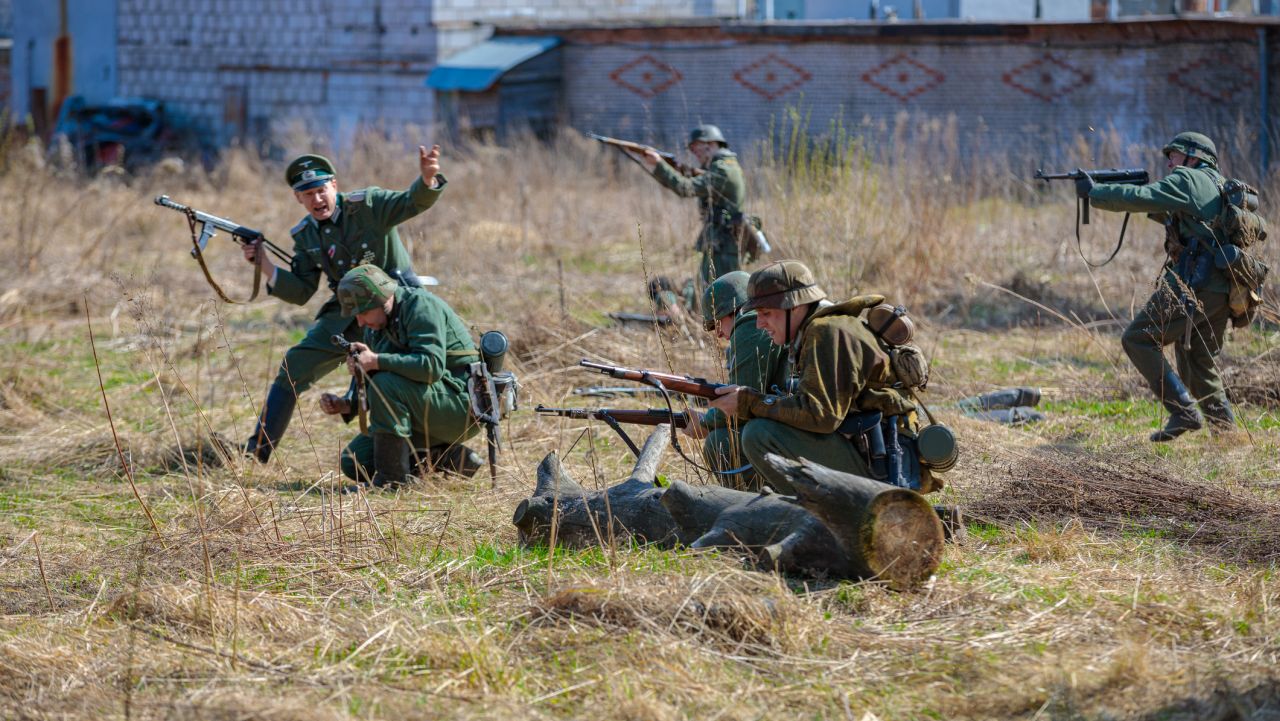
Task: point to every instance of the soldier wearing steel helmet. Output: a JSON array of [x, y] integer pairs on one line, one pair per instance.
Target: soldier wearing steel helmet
[[751, 359], [416, 352], [340, 232], [1189, 308], [840, 369], [721, 192]]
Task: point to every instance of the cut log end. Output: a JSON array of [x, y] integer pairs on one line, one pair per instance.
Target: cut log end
[[904, 544]]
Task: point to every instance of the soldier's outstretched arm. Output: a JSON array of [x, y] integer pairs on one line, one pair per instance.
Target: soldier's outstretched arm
[[1172, 192], [393, 207]]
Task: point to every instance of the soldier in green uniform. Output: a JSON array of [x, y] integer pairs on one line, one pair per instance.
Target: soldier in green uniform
[[416, 352], [752, 360], [840, 369], [1189, 308], [341, 231], [721, 192]]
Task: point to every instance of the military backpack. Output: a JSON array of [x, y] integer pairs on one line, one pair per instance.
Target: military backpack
[[1238, 227]]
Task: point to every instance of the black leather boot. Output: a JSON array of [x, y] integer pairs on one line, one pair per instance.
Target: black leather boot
[[456, 458], [1183, 414], [390, 461], [277, 411], [1219, 414]]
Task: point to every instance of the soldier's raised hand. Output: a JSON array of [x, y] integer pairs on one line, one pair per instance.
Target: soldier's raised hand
[[429, 162]]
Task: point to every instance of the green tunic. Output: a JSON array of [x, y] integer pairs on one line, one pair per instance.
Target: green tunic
[[1185, 201], [840, 369], [751, 360], [419, 391], [721, 192], [362, 230]]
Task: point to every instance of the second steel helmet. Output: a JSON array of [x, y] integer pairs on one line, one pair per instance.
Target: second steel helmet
[[707, 134], [364, 288], [1194, 145], [723, 297], [784, 284]]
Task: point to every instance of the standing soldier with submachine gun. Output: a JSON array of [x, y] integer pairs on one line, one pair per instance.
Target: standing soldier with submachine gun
[[341, 231], [1207, 280]]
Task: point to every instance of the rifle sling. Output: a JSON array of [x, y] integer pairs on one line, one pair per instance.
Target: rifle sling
[[199, 256]]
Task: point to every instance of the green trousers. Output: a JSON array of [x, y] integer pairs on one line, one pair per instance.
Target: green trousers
[[316, 356], [427, 415], [722, 451], [761, 436], [1163, 321], [713, 264]]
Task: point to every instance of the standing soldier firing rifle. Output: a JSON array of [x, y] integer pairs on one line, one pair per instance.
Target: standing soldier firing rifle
[[1193, 298]]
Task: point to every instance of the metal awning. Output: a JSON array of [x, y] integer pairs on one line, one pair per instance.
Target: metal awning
[[477, 68]]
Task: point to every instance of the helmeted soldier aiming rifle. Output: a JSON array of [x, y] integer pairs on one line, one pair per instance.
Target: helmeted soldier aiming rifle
[[1208, 279]]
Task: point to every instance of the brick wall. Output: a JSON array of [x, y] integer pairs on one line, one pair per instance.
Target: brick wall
[[256, 66], [1020, 87], [335, 63]]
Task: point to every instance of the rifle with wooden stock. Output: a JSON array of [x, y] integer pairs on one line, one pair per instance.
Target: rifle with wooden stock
[[633, 149], [668, 382], [614, 417]]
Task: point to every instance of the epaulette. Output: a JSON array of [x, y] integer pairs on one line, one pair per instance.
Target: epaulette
[[360, 196], [298, 228]]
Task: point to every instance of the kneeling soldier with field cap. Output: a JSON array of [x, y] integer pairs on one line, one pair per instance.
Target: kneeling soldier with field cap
[[416, 352], [751, 359], [840, 370], [340, 232], [1190, 307]]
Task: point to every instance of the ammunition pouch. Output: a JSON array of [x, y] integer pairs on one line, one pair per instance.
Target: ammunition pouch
[[1194, 264], [893, 454]]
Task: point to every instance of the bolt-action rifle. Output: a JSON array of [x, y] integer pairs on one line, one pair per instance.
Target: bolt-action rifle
[[632, 149], [357, 394], [204, 226], [493, 393], [687, 385], [1122, 176], [613, 417]]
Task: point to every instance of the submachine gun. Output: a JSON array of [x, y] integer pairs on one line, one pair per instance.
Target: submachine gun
[[1123, 176], [494, 393], [204, 226]]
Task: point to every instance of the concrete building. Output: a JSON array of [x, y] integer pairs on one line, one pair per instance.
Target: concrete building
[[245, 67]]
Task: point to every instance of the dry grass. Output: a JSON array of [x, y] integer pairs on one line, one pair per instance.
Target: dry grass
[[1103, 578]]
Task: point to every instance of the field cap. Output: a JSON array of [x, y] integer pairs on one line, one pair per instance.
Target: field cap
[[308, 171], [363, 288], [784, 284]]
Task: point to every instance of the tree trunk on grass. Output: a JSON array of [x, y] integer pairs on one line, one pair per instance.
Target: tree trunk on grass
[[888, 533], [583, 518]]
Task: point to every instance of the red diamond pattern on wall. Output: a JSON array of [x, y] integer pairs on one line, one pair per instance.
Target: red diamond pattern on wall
[[1047, 78], [1217, 77], [903, 77], [646, 76], [772, 77]]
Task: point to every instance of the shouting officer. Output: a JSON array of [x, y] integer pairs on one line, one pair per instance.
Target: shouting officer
[[340, 232]]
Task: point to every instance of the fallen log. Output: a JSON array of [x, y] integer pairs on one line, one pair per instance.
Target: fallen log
[[888, 533], [575, 517]]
